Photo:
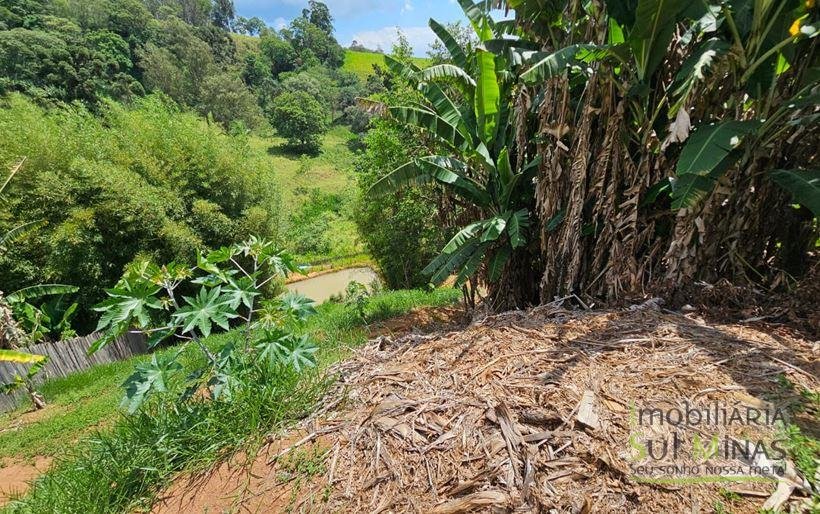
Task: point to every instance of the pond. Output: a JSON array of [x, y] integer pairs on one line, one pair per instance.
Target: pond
[[320, 288]]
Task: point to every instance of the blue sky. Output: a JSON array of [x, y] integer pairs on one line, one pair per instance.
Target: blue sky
[[370, 22]]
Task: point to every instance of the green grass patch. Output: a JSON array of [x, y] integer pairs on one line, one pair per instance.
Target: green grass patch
[[301, 179], [122, 468], [361, 63]]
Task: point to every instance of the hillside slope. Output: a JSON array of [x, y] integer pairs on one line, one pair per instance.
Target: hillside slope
[[361, 63]]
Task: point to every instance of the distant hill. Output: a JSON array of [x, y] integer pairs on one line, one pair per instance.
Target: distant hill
[[361, 63]]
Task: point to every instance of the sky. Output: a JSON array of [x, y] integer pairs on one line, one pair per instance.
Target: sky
[[370, 22]]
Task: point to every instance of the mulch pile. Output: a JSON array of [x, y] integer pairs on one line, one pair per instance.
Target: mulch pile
[[536, 412]]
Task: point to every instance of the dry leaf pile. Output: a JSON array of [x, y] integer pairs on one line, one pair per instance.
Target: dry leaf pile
[[530, 412]]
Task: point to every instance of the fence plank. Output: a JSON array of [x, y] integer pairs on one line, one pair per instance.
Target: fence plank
[[66, 357]]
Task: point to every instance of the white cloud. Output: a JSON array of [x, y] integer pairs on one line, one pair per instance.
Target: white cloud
[[279, 23], [420, 38], [407, 7], [337, 7]]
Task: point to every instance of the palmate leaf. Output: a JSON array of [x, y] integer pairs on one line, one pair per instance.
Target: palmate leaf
[[240, 291], [127, 302], [149, 377], [301, 353], [280, 348], [209, 307], [457, 54], [297, 306], [20, 357], [804, 185], [31, 292], [487, 96]]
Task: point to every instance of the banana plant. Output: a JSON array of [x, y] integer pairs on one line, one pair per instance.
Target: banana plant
[[474, 128], [37, 362]]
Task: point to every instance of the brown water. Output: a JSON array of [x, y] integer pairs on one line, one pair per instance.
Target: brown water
[[321, 288]]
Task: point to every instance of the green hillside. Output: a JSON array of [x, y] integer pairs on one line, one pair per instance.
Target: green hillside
[[361, 63]]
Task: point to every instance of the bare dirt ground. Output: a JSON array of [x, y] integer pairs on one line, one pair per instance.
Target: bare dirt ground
[[15, 475], [538, 411]]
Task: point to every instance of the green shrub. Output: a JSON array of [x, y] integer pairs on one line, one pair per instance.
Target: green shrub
[[403, 231]]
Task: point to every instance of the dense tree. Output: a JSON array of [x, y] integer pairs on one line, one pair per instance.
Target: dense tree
[[564, 155], [178, 62], [249, 26], [223, 13], [318, 14], [309, 39], [299, 118], [279, 53], [226, 98]]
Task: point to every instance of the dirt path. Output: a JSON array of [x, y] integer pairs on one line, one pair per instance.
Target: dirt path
[[526, 412]]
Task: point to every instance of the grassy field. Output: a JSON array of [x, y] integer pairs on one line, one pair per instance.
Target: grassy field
[[361, 63], [128, 459], [318, 193]]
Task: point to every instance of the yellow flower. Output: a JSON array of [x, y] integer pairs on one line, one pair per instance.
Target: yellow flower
[[795, 28]]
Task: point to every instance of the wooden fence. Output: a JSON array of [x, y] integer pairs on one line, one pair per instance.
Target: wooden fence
[[66, 357]]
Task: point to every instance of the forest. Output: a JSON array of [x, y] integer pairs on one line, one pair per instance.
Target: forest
[[575, 213]]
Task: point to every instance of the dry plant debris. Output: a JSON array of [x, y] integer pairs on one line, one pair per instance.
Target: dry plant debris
[[527, 412]]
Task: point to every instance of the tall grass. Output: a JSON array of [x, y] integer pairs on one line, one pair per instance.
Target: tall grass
[[122, 469]]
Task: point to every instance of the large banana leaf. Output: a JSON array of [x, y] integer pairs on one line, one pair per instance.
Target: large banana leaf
[[20, 357], [18, 231], [804, 185], [481, 22], [487, 96], [456, 52], [493, 229], [403, 70], [689, 189], [444, 170], [463, 236], [451, 71], [545, 65], [445, 107], [652, 32], [434, 125], [517, 224], [708, 146], [497, 263], [37, 291]]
